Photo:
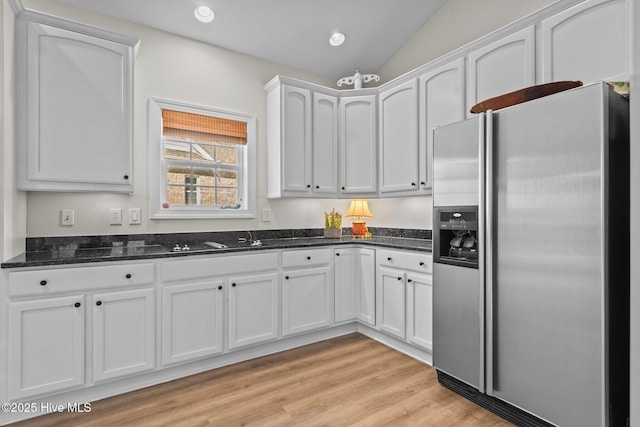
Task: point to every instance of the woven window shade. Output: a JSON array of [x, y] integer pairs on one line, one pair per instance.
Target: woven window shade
[[203, 128]]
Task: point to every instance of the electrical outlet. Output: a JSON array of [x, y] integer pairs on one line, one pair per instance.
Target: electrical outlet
[[135, 216], [67, 217], [266, 215], [116, 216]]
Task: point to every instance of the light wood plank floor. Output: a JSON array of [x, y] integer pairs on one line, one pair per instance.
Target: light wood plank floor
[[346, 381]]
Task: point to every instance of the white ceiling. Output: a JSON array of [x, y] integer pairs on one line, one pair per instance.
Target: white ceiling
[[290, 32]]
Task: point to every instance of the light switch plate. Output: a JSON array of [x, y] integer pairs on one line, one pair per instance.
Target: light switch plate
[[135, 216], [266, 215]]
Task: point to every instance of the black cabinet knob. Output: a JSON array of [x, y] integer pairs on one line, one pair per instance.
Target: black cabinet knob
[[399, 278], [233, 284], [98, 303], [409, 280], [126, 177], [413, 184], [317, 186], [423, 183], [220, 287], [128, 276], [337, 253], [286, 277], [421, 263], [308, 185], [388, 258], [43, 282], [308, 257], [343, 188], [77, 305]]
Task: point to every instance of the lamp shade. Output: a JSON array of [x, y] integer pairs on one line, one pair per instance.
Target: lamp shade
[[359, 208]]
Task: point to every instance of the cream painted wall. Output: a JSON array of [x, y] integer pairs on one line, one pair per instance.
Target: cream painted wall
[[455, 24], [177, 68]]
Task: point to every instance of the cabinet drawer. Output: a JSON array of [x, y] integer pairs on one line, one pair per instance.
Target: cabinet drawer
[[74, 279], [218, 266], [306, 258], [414, 261]]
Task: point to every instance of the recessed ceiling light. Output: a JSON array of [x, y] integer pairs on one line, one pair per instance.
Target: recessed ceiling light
[[336, 39], [204, 14]]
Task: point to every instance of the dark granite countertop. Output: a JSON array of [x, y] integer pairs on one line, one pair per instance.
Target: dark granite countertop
[[69, 250]]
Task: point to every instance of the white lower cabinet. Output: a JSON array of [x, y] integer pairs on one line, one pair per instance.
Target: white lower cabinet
[[46, 345], [123, 333], [391, 301], [192, 321], [404, 296], [306, 300], [253, 309], [419, 310], [345, 281]]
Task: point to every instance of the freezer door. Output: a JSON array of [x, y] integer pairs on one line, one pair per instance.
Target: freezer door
[[455, 163], [548, 257]]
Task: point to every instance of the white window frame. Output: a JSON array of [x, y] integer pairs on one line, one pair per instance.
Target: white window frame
[[157, 166]]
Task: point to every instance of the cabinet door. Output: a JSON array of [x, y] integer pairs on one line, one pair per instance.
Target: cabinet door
[[253, 309], [76, 127], [419, 310], [587, 42], [192, 319], [442, 101], [358, 170], [391, 301], [325, 144], [46, 346], [398, 120], [345, 284], [306, 300], [296, 139], [367, 286], [123, 333], [503, 66]]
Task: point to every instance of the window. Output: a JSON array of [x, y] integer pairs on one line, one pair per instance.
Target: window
[[202, 162]]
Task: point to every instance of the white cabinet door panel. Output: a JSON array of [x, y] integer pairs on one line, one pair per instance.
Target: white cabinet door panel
[[192, 320], [358, 118], [296, 139], [442, 101], [587, 42], [123, 333], [345, 284], [367, 286], [46, 346], [391, 296], [325, 143], [419, 310], [306, 300], [501, 67], [253, 309]]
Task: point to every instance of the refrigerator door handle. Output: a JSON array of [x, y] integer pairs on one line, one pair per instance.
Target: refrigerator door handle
[[488, 252], [480, 244]]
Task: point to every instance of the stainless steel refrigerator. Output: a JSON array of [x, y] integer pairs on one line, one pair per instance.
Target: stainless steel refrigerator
[[531, 259]]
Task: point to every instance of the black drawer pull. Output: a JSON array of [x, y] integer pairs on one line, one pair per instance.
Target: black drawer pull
[[308, 186], [128, 276], [308, 257], [317, 186], [409, 280], [234, 285], [43, 282], [421, 263], [399, 278], [389, 259], [286, 277], [77, 305], [413, 184], [423, 183], [98, 303], [220, 287], [337, 253], [126, 177]]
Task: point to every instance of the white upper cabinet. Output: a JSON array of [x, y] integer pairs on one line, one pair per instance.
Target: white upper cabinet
[[442, 101], [398, 121], [501, 67], [587, 42], [325, 144], [74, 108], [296, 139], [358, 120]]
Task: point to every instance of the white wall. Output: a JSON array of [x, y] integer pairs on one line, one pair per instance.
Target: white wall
[[455, 24]]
